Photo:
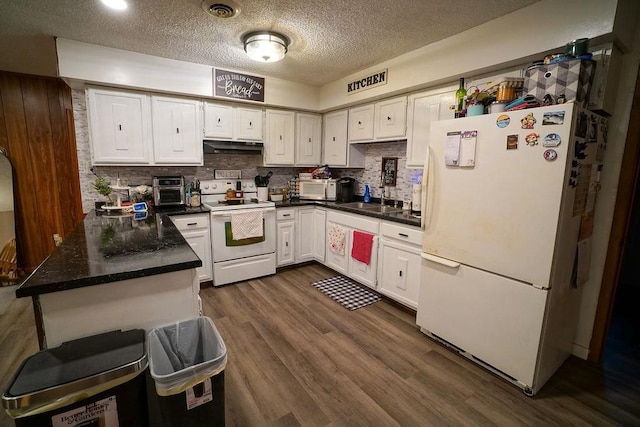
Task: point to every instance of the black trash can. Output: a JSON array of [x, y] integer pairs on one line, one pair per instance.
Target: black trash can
[[187, 361], [92, 381]]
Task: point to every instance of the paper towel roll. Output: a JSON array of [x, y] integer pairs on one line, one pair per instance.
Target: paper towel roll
[[416, 196]]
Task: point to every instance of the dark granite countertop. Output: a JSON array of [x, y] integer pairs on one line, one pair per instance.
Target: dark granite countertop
[[106, 248], [401, 217]]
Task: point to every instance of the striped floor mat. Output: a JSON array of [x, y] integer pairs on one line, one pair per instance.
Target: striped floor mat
[[346, 292]]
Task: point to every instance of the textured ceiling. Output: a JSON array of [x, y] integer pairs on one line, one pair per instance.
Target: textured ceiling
[[329, 39]]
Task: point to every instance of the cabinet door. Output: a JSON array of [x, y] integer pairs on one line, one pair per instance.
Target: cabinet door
[[364, 273], [424, 109], [248, 124], [334, 260], [119, 125], [305, 234], [200, 242], [196, 231], [335, 138], [308, 142], [280, 139], [177, 130], [361, 123], [391, 118], [285, 237], [319, 236], [218, 121], [399, 273]]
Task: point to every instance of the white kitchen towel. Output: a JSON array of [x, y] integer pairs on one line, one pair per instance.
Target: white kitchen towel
[[245, 225], [337, 235]]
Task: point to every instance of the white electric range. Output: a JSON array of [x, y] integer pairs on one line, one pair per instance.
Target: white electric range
[[236, 260]]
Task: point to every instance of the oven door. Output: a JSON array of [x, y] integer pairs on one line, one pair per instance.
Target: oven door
[[224, 248]]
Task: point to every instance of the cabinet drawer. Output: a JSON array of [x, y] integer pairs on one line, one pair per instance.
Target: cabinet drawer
[[355, 221], [191, 222], [410, 235], [285, 214]]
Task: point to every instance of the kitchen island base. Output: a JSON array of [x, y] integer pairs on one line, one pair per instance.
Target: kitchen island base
[[145, 303]]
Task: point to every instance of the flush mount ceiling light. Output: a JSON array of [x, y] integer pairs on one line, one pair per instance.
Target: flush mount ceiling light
[[115, 4], [265, 46]]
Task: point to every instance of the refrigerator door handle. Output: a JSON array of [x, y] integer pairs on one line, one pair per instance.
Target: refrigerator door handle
[[441, 261], [426, 186]]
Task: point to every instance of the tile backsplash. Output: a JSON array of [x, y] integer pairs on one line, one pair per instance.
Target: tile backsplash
[[249, 164]]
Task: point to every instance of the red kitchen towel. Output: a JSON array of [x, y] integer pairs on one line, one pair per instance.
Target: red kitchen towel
[[362, 244]]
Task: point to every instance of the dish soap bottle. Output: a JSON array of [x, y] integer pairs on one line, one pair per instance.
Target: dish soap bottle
[[367, 193]]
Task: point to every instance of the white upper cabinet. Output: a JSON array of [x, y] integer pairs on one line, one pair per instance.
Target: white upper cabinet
[[279, 142], [134, 128], [218, 121], [337, 150], [423, 109], [248, 124], [226, 122], [308, 139], [383, 121], [119, 127], [177, 130], [361, 123], [391, 118]]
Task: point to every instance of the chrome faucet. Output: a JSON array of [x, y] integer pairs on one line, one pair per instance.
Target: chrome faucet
[[383, 191]]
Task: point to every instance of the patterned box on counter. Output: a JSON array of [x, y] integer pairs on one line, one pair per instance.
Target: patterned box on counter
[[572, 78]]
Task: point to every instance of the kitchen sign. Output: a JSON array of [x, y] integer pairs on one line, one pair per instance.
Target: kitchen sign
[[374, 80], [229, 84]]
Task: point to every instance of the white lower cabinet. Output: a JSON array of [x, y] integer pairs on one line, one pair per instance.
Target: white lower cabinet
[[305, 234], [285, 236], [195, 230], [319, 234], [399, 266], [343, 262]]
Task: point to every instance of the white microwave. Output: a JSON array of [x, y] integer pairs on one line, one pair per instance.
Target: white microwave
[[317, 189]]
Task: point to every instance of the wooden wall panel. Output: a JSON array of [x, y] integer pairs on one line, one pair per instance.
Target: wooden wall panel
[[37, 129]]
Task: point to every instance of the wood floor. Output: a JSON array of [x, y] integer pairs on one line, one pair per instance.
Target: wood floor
[[295, 357]]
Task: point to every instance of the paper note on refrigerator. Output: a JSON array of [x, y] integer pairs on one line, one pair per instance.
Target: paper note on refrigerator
[[452, 150], [468, 149]]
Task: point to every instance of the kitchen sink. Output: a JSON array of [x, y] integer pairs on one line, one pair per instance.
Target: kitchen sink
[[383, 209], [369, 207]]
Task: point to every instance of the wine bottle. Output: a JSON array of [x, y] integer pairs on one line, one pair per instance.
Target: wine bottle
[[461, 94]]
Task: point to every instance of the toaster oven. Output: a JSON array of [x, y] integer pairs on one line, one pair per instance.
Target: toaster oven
[[168, 190]]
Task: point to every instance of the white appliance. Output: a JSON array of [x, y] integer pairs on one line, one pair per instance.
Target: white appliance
[[316, 189], [507, 210], [236, 260]]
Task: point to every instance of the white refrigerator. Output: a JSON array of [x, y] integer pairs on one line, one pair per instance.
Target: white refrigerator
[[507, 215]]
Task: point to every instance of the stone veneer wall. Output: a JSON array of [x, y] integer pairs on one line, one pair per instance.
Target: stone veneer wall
[[249, 164]]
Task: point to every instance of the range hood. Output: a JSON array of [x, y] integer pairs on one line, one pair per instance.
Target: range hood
[[234, 147]]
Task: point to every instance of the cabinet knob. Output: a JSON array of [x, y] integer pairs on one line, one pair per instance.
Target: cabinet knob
[[309, 139], [388, 118], [177, 130], [119, 127], [400, 272], [250, 124], [334, 139], [403, 235], [359, 123], [280, 137], [219, 119]]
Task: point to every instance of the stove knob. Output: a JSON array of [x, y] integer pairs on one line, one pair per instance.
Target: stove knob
[[206, 186], [214, 186]]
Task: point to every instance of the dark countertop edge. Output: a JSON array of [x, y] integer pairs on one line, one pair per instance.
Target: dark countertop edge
[[393, 217], [183, 210], [106, 278]]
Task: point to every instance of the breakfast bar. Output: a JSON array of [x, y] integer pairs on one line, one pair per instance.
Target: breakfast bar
[[114, 272]]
